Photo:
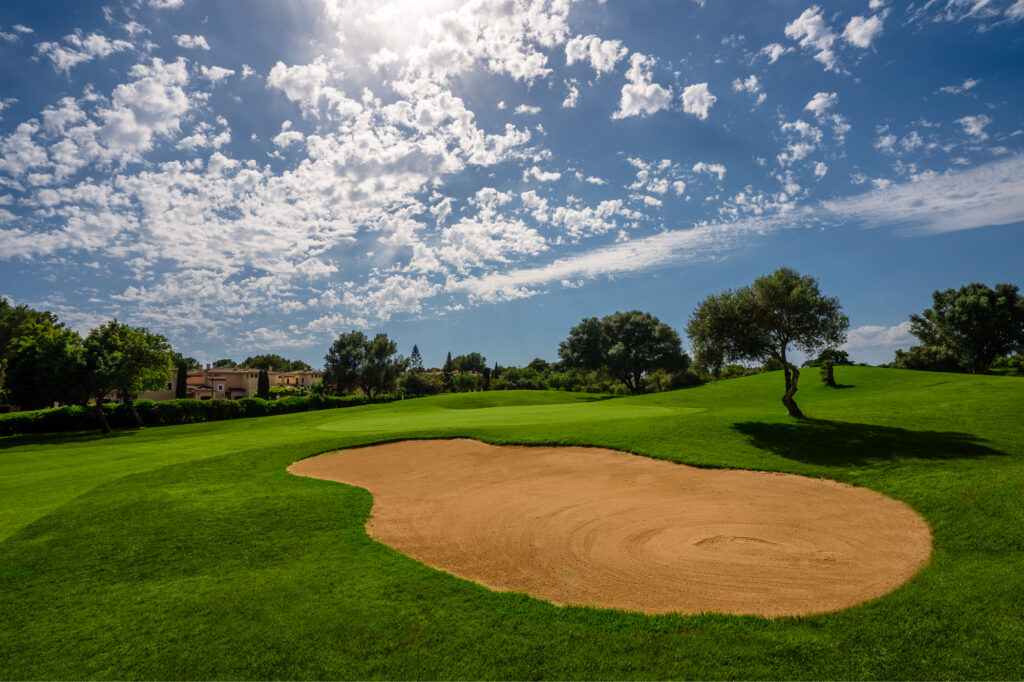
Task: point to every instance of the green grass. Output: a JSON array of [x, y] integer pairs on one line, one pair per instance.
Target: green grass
[[189, 552]]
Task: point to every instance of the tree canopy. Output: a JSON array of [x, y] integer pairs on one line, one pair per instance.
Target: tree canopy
[[274, 362], [470, 362], [46, 364], [628, 345], [18, 320], [127, 360], [415, 359], [354, 361], [975, 324], [764, 320]]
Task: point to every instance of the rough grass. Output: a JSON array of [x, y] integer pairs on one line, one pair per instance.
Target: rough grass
[[188, 552]]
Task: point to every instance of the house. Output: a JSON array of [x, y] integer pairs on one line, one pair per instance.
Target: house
[[303, 378], [230, 382]]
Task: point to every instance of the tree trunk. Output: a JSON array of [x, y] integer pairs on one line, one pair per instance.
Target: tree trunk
[[791, 381], [100, 416], [127, 400]]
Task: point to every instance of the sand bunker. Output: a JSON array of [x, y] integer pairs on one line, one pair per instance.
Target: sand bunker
[[604, 528]]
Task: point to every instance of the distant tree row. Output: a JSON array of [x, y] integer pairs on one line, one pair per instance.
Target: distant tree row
[[43, 362]]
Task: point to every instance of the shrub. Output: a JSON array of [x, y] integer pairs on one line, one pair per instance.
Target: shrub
[[221, 408], [253, 407]]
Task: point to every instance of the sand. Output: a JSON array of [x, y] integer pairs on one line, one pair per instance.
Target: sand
[[608, 529]]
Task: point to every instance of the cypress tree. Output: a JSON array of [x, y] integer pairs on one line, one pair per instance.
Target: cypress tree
[[263, 385], [415, 360], [448, 368], [181, 384]]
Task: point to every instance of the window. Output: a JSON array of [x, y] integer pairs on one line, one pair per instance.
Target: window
[[170, 385], [220, 387], [302, 380]]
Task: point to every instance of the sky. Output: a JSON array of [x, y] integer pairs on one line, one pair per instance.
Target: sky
[[254, 177]]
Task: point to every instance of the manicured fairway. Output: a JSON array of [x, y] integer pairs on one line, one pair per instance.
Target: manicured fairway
[[189, 552]]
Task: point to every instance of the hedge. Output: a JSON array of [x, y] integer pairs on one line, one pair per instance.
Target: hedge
[[166, 412]]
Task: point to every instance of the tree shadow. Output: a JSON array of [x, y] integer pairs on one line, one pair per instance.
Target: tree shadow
[[62, 438], [832, 443]]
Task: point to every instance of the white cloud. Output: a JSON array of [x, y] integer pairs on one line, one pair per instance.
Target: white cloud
[[812, 33], [963, 87], [992, 194], [710, 168], [986, 195], [773, 51], [192, 42], [80, 48], [166, 4], [975, 125], [572, 98], [822, 102], [526, 109], [215, 74], [543, 176], [820, 169], [602, 55], [877, 343], [641, 97], [752, 85], [300, 83], [1016, 11], [861, 31], [697, 100]]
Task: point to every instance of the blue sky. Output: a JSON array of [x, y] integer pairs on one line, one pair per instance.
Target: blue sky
[[479, 176]]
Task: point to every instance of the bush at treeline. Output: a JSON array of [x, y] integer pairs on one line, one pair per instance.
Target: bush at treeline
[[167, 412]]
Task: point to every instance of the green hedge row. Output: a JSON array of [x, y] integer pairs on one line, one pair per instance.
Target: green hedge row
[[183, 411]]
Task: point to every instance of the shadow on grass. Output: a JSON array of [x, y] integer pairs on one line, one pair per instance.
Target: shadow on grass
[[832, 443], [63, 438]]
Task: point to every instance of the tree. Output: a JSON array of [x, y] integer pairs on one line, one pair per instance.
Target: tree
[[45, 364], [540, 365], [382, 366], [263, 385], [628, 345], [181, 384], [975, 324], [415, 360], [343, 362], [926, 358], [464, 381], [16, 321], [446, 371], [420, 383], [191, 364], [224, 363], [355, 361], [127, 360], [273, 363], [471, 362], [832, 356], [763, 321]]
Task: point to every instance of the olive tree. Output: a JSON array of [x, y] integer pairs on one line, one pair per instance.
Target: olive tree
[[777, 312], [975, 324], [628, 345]]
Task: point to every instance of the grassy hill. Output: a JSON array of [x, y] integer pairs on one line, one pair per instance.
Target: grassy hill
[[189, 552]]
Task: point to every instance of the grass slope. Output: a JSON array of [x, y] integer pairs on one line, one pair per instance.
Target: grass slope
[[188, 552]]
